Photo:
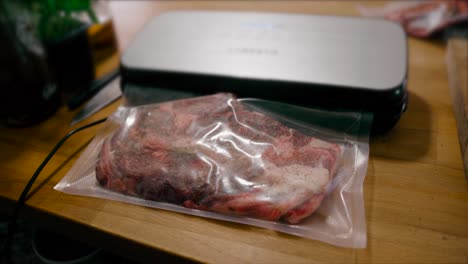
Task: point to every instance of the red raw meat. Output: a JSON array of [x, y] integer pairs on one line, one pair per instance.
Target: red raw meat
[[213, 153]]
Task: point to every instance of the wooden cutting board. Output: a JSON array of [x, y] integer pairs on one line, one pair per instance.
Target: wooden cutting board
[[457, 71]]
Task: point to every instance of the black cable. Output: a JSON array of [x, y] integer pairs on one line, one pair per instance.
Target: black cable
[[22, 198]]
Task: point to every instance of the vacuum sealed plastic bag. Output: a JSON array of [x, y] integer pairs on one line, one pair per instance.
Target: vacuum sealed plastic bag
[[257, 162]]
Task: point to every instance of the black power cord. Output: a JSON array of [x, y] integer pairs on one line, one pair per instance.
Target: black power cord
[[22, 199]]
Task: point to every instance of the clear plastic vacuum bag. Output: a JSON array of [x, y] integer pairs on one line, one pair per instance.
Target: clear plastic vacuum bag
[[268, 164]]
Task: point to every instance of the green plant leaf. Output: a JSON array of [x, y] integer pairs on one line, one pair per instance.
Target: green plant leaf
[[50, 6], [58, 26], [73, 5]]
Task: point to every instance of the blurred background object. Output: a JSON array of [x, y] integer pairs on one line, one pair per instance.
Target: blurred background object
[[29, 93], [49, 54], [77, 35], [422, 18]]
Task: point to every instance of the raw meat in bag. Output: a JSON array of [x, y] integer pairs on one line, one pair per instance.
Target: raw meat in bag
[[212, 153]]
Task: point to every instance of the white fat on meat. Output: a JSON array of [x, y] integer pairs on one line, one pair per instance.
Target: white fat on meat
[[317, 143], [295, 178]]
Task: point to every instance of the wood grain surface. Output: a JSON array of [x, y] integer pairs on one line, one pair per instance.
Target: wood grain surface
[[416, 196]]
